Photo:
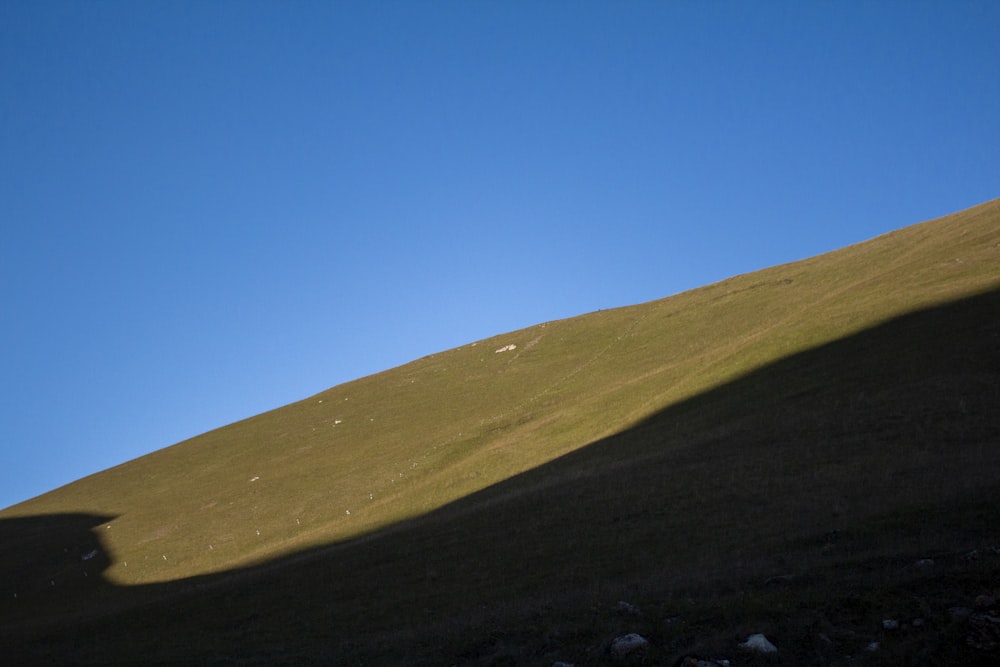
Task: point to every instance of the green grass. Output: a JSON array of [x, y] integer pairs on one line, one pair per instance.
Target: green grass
[[676, 454]]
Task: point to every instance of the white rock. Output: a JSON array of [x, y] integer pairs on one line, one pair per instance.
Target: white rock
[[759, 643], [628, 644]]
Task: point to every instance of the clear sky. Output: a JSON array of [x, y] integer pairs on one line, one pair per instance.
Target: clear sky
[[210, 209]]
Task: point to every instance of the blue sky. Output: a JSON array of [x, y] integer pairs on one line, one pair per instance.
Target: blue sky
[[212, 209]]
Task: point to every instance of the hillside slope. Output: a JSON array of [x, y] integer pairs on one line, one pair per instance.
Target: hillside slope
[[492, 496]]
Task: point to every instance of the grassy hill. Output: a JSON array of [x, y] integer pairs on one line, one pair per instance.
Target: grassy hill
[[820, 426]]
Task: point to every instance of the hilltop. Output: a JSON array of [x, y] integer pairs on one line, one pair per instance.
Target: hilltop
[[771, 453]]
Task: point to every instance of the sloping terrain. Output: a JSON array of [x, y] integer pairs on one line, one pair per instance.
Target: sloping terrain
[[824, 425]]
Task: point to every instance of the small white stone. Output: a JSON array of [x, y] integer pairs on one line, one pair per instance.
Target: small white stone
[[759, 643], [628, 644]]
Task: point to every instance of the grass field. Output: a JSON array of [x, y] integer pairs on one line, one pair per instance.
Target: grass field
[[772, 453]]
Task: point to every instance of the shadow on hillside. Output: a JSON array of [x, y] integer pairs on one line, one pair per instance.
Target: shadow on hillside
[[39, 552], [888, 439]]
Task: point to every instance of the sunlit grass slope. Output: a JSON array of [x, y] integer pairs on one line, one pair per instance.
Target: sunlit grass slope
[[403, 442], [707, 436]]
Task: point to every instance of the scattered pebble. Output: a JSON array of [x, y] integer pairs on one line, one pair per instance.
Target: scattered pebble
[[628, 644], [627, 608], [759, 644]]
